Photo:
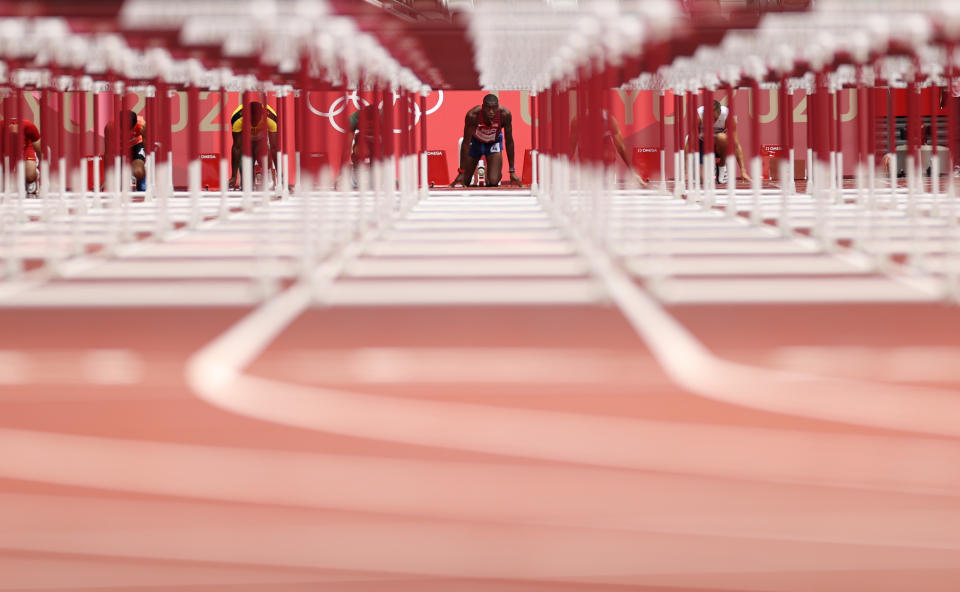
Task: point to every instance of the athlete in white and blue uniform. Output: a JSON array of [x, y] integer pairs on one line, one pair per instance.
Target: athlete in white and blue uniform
[[722, 138], [489, 128]]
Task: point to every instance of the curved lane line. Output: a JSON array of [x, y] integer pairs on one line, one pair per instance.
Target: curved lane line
[[898, 463]]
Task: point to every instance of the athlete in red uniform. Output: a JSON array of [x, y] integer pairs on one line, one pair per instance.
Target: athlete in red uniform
[[31, 144], [487, 128], [133, 142]]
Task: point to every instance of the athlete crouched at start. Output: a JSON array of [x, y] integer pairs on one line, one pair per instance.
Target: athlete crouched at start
[[31, 147], [263, 138], [131, 134], [487, 129]]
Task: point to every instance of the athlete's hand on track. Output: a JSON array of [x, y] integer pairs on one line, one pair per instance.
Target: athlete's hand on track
[[516, 180], [639, 177]]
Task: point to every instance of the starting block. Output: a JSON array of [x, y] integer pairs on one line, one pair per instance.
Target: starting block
[[771, 155], [91, 159], [437, 171], [646, 161], [314, 162], [210, 171], [526, 175]]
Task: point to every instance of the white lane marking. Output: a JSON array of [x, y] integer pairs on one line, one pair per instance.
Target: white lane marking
[[693, 367], [72, 367], [467, 225], [589, 497], [140, 293], [754, 453], [723, 265], [475, 365], [894, 364], [716, 247], [490, 216], [133, 268], [764, 454], [695, 234], [219, 362], [15, 368], [425, 248], [798, 290], [291, 537], [380, 292], [447, 267], [73, 266], [490, 234], [113, 366], [226, 249], [39, 572]]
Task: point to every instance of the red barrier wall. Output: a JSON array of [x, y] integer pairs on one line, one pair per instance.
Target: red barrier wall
[[636, 111]]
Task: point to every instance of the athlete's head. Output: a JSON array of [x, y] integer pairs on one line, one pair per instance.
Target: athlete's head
[[490, 106], [131, 119], [364, 119], [716, 109], [256, 113]]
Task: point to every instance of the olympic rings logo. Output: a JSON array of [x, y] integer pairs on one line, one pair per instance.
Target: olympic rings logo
[[339, 105]]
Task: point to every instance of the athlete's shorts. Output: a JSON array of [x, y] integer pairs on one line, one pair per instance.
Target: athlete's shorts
[[701, 150], [138, 152], [714, 144], [478, 148], [259, 146]]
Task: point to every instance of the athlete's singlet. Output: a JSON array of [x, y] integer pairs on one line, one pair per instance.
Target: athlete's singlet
[[488, 132], [30, 135], [719, 123], [135, 135]]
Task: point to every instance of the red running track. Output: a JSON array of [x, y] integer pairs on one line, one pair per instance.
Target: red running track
[[140, 484]]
